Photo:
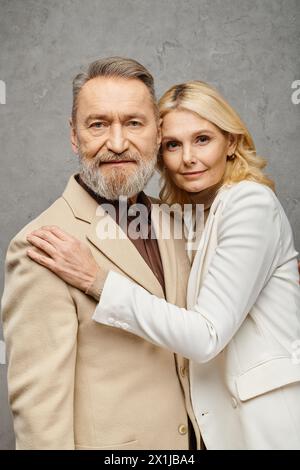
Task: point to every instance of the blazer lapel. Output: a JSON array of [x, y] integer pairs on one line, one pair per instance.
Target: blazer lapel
[[110, 239], [206, 247]]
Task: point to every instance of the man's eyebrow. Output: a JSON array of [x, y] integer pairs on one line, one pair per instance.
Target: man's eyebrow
[[137, 115], [125, 117], [92, 117]]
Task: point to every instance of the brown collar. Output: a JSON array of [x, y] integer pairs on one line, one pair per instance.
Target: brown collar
[[141, 198]]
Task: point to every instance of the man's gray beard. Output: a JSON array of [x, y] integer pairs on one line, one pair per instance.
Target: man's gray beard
[[117, 183]]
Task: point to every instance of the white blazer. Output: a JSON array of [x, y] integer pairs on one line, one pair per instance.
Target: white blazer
[[241, 328]]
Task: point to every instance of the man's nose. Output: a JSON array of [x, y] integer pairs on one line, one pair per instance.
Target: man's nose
[[117, 141]]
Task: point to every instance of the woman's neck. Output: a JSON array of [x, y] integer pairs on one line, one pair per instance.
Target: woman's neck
[[206, 196]]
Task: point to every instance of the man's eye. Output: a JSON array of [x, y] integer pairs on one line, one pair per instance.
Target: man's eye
[[134, 123], [97, 125], [171, 145], [202, 139]]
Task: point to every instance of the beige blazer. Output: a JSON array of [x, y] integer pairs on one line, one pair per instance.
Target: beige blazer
[[75, 384]]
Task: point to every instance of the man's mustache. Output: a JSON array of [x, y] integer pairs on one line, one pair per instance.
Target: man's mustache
[[116, 157]]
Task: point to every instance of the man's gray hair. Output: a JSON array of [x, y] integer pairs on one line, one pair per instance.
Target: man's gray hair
[[113, 67]]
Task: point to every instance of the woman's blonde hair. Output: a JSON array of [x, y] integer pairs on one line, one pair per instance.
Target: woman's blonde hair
[[204, 100]]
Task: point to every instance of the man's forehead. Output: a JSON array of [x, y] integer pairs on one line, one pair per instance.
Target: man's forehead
[[111, 108], [115, 90], [108, 97]]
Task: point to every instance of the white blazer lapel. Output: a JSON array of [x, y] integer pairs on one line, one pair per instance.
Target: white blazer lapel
[[206, 246]]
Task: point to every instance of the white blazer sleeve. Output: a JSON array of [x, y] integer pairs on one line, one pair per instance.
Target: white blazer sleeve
[[247, 251]]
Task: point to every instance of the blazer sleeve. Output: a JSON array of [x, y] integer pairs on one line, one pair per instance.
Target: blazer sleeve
[[247, 251], [40, 329]]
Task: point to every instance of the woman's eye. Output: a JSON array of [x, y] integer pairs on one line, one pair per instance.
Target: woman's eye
[[202, 139], [171, 145]]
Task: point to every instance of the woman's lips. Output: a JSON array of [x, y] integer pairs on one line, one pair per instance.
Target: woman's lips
[[193, 174]]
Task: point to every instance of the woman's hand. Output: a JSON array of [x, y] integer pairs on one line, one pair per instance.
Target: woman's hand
[[64, 255]]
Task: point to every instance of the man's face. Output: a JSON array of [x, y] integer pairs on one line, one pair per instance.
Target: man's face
[[116, 136]]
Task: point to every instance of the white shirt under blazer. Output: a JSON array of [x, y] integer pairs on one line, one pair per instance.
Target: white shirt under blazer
[[241, 328]]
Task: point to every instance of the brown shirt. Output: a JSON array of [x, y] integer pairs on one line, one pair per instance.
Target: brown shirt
[[146, 245]]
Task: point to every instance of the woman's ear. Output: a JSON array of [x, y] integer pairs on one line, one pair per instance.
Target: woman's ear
[[73, 137], [232, 143]]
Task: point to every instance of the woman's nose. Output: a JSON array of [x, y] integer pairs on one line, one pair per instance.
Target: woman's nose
[[187, 156]]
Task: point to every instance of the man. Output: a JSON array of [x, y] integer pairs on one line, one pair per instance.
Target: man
[[74, 384]]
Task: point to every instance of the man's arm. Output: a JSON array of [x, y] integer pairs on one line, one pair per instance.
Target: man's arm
[[40, 330]]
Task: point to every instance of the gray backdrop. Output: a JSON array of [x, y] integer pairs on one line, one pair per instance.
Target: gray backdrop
[[249, 49]]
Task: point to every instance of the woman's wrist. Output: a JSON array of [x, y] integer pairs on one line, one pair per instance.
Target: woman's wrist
[[95, 287]]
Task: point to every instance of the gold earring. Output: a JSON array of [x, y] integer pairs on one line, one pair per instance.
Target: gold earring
[[231, 157]]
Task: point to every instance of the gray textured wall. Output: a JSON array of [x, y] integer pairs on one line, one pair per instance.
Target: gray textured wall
[[247, 48]]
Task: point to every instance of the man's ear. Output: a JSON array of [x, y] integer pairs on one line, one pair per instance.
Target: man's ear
[[73, 136], [159, 133]]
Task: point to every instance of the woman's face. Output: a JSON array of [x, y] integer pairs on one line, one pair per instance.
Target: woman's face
[[194, 150]]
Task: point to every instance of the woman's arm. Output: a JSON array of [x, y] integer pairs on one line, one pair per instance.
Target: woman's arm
[[246, 255]]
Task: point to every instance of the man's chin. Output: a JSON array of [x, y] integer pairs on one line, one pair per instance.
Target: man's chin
[[111, 180]]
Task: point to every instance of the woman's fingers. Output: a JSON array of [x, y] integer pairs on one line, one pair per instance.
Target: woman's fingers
[[42, 244], [58, 232], [41, 259], [46, 235], [45, 241]]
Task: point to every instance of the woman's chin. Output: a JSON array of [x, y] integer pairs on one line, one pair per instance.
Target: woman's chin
[[194, 188], [191, 186]]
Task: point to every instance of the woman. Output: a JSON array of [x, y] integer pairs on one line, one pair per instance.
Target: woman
[[242, 322]]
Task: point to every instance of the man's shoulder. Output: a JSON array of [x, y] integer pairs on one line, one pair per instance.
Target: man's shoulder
[[56, 214], [59, 213]]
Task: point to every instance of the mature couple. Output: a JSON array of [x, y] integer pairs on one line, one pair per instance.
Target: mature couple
[[92, 323]]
